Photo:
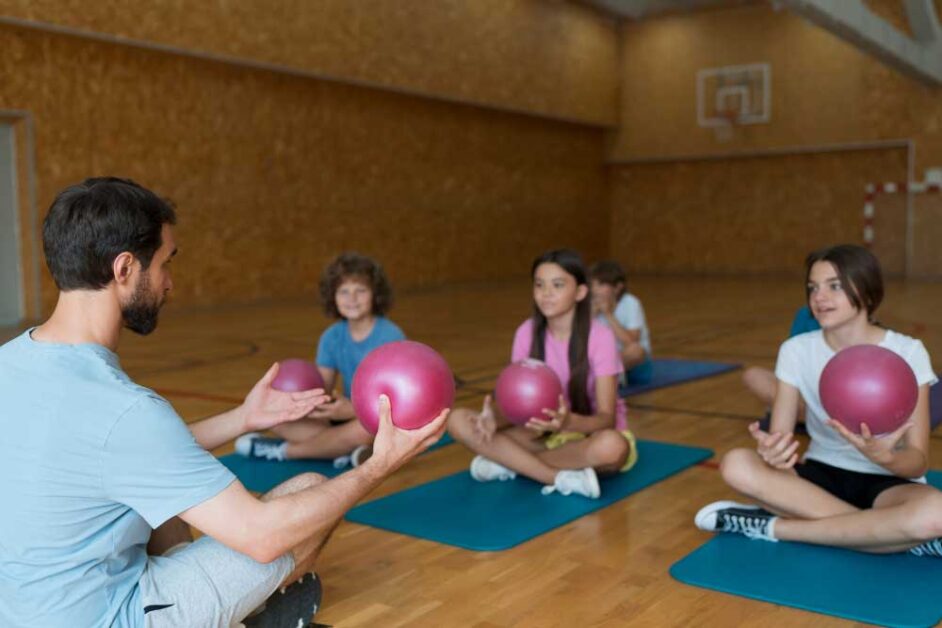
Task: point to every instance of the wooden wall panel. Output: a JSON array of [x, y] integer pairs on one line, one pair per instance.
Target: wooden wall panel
[[889, 228], [30, 251], [554, 58], [927, 250], [275, 174], [742, 216]]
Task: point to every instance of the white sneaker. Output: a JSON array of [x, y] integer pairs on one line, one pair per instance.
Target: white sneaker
[[746, 519], [484, 470], [579, 481], [357, 457], [252, 445], [360, 455]]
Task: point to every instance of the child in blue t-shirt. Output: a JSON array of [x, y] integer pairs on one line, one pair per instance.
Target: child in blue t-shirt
[[353, 289]]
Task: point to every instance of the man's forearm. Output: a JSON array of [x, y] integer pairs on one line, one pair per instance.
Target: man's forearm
[[218, 430], [289, 520]]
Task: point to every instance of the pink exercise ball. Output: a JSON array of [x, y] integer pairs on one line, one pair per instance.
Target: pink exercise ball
[[297, 375], [524, 389], [868, 384], [414, 376]]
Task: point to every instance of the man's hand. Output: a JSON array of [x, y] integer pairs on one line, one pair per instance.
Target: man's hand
[[264, 407], [393, 447]]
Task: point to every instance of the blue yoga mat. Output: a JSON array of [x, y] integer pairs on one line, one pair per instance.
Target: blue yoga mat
[[263, 475], [887, 590], [493, 516], [673, 371]]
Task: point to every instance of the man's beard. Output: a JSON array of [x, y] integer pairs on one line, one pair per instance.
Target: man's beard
[[140, 313]]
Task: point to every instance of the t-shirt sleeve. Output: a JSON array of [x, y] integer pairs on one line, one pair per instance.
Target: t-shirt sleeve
[[629, 313], [918, 359], [788, 365], [603, 352], [327, 349], [151, 463], [523, 338]]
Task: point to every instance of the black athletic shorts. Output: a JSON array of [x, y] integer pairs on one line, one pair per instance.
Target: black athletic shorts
[[853, 487]]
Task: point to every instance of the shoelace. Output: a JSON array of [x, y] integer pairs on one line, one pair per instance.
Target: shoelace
[[749, 526], [929, 548]]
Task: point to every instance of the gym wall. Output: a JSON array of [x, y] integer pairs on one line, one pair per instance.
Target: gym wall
[[683, 203], [273, 172], [551, 57]]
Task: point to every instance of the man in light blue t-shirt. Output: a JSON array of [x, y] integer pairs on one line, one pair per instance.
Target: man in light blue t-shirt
[[102, 476]]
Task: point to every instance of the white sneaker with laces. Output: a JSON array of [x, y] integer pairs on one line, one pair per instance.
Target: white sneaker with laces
[[485, 470], [579, 481]]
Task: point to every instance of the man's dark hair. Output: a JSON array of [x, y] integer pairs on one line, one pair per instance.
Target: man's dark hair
[[91, 223]]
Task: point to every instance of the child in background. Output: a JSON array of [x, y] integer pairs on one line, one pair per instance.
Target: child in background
[[353, 289], [620, 310], [587, 433]]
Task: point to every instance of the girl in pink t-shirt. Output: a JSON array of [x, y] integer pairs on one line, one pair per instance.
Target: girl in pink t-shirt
[[587, 432]]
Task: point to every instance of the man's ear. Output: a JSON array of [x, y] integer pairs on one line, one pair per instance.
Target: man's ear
[[123, 267]]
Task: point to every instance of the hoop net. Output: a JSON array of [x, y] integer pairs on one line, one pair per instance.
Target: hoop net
[[730, 120]]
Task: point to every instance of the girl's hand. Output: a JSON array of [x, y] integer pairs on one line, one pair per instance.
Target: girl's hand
[[558, 419], [778, 450], [879, 449], [484, 423]]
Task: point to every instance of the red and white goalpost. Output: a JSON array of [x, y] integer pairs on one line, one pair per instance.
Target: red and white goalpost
[[902, 224]]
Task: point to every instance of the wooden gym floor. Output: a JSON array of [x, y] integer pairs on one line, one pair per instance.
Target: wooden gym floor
[[606, 569]]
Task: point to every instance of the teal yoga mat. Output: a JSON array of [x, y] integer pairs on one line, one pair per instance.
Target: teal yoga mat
[[887, 590], [492, 516], [263, 475], [673, 371]]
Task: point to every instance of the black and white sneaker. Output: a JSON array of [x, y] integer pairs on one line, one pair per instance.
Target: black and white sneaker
[[931, 548], [726, 516], [294, 605]]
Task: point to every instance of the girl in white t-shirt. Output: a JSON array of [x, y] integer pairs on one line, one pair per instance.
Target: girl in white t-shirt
[[859, 491]]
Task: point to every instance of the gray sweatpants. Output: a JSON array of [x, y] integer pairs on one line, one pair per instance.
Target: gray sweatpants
[[206, 584]]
